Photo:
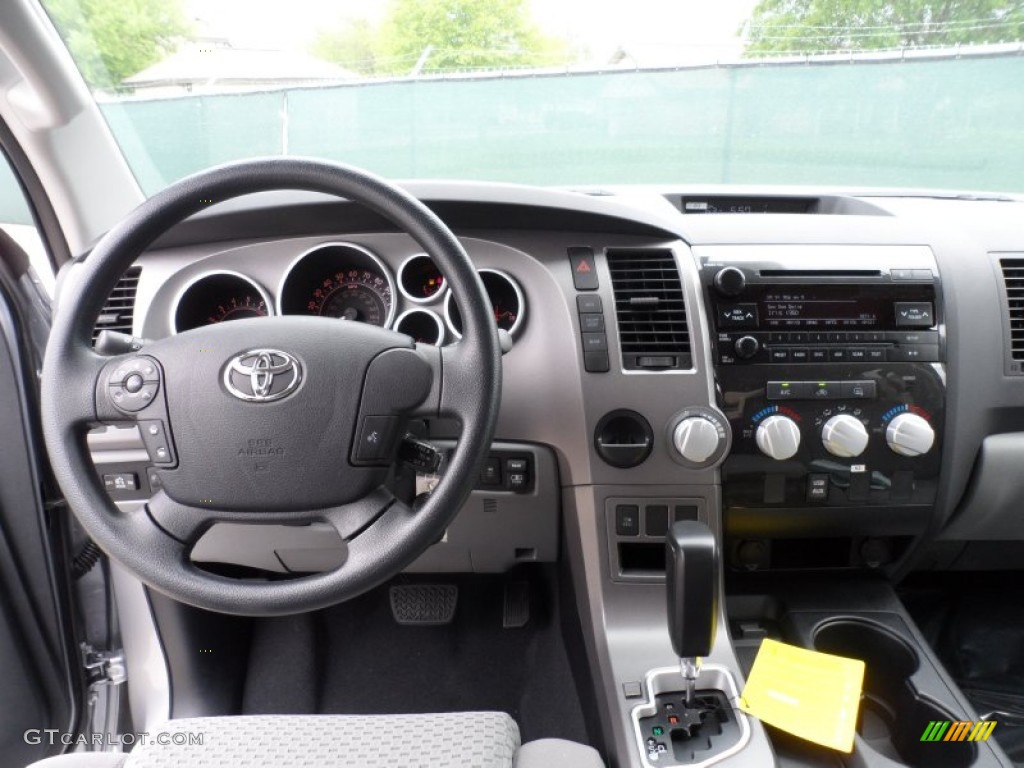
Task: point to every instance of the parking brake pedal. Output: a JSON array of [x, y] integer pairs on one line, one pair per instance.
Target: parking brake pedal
[[424, 604]]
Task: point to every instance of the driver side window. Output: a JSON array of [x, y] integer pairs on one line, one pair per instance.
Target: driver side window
[[16, 220]]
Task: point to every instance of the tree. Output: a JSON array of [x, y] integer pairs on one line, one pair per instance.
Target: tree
[[114, 39], [353, 46], [463, 34], [818, 26]]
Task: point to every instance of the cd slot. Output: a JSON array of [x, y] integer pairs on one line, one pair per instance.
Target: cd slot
[[826, 273]]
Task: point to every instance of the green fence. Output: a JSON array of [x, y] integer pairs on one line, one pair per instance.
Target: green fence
[[944, 123]]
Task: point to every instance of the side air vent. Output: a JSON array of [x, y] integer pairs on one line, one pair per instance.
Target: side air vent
[[1013, 279], [650, 308], [119, 311]]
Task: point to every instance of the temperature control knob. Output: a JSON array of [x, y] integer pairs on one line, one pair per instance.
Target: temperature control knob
[[844, 435], [909, 435], [730, 281], [696, 439], [778, 437], [746, 347]]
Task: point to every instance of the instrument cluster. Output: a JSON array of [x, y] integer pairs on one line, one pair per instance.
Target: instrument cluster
[[349, 282]]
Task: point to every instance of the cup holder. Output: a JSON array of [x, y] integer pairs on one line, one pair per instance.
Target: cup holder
[[893, 715]]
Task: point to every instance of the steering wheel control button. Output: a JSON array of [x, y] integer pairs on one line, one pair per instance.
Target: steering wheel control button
[[376, 439], [121, 481], [133, 383], [584, 269], [157, 442]]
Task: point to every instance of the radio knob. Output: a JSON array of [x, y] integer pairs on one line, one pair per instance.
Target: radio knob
[[746, 347], [778, 437], [696, 439], [845, 436], [910, 435], [730, 281]]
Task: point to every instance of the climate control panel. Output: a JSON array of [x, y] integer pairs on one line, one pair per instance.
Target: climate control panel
[[856, 436]]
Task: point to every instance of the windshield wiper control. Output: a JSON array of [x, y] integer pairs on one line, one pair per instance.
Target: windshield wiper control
[[691, 581]]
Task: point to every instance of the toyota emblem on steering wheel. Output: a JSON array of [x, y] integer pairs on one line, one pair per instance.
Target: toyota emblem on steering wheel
[[262, 375]]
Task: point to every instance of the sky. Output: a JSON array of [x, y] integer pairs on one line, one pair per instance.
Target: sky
[[654, 32]]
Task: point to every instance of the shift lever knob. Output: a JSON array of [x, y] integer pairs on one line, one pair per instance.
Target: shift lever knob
[[692, 581]]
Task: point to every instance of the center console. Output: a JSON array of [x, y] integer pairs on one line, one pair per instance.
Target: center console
[[830, 369]]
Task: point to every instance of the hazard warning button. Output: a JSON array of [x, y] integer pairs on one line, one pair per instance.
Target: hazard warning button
[[584, 268]]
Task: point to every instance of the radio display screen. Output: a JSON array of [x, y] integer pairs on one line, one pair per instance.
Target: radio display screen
[[834, 307], [796, 307]]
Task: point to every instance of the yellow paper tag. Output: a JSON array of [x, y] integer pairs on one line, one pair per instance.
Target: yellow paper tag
[[812, 695]]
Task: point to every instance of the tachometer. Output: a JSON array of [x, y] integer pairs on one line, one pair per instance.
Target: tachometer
[[340, 280], [217, 297]]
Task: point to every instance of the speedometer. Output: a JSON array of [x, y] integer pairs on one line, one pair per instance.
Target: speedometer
[[356, 294], [340, 280]]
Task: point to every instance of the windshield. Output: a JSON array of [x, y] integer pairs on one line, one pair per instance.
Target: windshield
[[869, 93]]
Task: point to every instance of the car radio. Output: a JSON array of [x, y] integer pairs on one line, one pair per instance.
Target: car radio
[[829, 368], [771, 318]]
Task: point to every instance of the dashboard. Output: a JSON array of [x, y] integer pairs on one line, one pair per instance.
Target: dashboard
[[837, 372]]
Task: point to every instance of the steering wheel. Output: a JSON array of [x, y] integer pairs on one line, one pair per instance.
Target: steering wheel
[[278, 420]]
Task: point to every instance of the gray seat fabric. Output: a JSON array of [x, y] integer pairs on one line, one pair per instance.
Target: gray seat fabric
[[452, 740]]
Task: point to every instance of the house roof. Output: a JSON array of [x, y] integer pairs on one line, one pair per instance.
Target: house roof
[[210, 63]]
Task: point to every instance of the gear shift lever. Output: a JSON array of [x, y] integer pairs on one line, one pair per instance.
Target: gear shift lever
[[691, 579]]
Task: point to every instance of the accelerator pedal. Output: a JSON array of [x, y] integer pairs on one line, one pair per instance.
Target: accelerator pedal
[[516, 611], [424, 605]]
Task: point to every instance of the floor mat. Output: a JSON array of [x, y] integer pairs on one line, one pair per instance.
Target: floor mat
[[975, 624], [367, 663]]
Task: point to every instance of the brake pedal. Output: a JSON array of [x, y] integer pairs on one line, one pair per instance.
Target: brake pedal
[[424, 604]]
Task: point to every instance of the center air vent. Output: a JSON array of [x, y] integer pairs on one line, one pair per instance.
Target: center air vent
[[1013, 278], [651, 309], [119, 311]]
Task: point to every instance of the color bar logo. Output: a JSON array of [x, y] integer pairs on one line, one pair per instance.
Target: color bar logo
[[959, 730]]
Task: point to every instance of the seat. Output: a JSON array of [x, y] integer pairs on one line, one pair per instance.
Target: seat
[[451, 740]]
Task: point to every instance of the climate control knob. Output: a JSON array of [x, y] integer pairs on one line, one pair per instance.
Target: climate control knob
[[844, 436], [910, 435], [778, 437], [746, 347], [696, 439]]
